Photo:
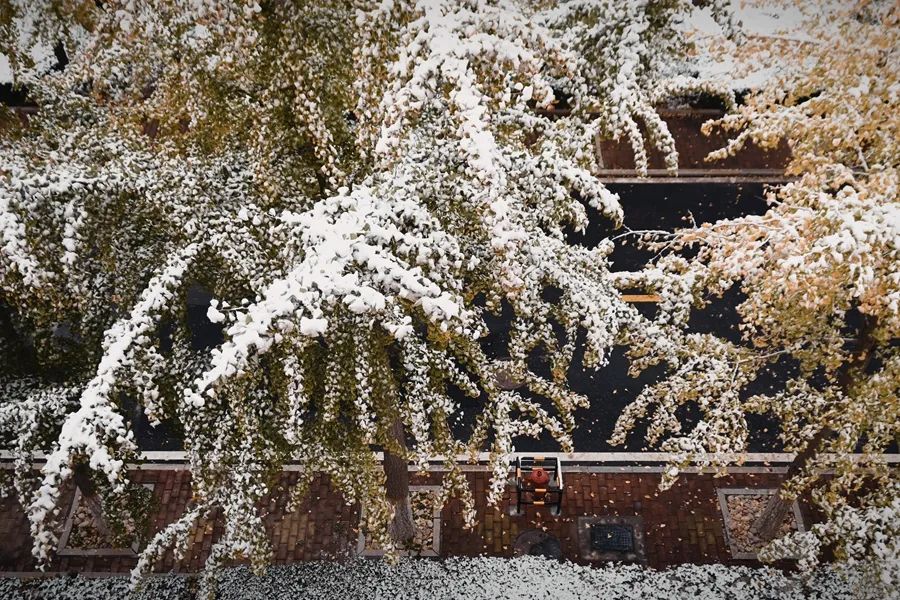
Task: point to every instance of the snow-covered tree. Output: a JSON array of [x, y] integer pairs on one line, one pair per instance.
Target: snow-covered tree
[[632, 69], [357, 185], [819, 278]]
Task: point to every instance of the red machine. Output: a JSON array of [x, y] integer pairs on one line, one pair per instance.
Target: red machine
[[539, 483]]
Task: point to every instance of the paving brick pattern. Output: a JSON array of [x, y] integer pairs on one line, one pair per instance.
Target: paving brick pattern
[[683, 524], [693, 148]]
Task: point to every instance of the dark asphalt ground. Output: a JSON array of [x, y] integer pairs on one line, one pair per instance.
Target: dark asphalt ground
[[646, 206], [654, 206]]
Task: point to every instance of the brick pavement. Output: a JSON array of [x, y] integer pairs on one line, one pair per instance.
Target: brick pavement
[[693, 146], [683, 524]]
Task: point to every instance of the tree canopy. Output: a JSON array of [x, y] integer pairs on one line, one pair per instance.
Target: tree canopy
[[820, 287], [358, 186]]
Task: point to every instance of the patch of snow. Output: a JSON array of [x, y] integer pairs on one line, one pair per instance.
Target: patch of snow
[[477, 578]]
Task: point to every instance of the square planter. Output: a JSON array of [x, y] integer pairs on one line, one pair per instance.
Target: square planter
[[427, 517], [739, 507], [64, 549]]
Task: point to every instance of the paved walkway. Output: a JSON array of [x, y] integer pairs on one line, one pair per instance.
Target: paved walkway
[[683, 524], [617, 157]]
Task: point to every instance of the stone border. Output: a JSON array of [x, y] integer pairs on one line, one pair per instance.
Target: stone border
[[180, 458], [435, 549], [63, 550], [585, 551], [723, 494]]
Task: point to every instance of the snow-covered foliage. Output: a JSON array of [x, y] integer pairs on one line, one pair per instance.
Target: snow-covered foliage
[[819, 277], [866, 537], [631, 69], [472, 578], [357, 184], [29, 411], [740, 40]]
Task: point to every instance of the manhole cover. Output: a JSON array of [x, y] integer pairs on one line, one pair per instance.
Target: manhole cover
[[535, 542], [549, 548], [505, 378], [612, 538]]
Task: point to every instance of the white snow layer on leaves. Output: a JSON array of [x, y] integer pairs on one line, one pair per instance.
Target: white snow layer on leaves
[[32, 45], [820, 278], [15, 252], [6, 74], [347, 259], [778, 20], [97, 430]]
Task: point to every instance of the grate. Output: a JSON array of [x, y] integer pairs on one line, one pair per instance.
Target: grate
[[612, 538]]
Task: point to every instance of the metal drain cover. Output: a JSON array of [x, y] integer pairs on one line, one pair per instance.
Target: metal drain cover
[[612, 538]]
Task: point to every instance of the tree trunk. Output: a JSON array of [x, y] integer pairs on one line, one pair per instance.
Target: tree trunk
[[765, 527], [396, 470], [767, 524], [90, 498]]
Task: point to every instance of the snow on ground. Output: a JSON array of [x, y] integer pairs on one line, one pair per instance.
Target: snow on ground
[[465, 578]]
